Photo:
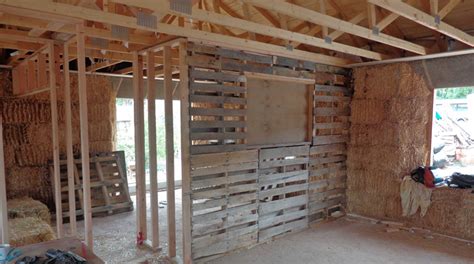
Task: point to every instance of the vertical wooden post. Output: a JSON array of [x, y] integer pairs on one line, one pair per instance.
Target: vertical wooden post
[[86, 179], [139, 146], [55, 132], [185, 156], [3, 192], [69, 150], [155, 223], [168, 87]]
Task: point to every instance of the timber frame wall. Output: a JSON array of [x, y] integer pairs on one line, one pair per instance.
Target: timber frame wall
[[237, 195]]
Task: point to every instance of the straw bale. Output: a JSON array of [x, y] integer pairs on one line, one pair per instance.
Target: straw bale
[[27, 207], [29, 230], [367, 111], [15, 135], [6, 87], [408, 109], [376, 85], [101, 131], [412, 84], [29, 181], [33, 155], [101, 146], [9, 152]]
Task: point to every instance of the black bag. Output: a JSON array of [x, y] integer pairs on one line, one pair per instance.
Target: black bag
[[462, 181], [418, 174]]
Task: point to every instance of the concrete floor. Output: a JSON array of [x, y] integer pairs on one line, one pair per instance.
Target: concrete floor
[[350, 241], [115, 236], [345, 240]]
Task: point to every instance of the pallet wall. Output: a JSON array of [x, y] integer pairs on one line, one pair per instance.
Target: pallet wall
[[245, 194]]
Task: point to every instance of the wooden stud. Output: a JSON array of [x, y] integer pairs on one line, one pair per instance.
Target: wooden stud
[[425, 19], [69, 148], [322, 9], [152, 149], [372, 15], [185, 156], [168, 90], [3, 192], [86, 179], [139, 146], [55, 135]]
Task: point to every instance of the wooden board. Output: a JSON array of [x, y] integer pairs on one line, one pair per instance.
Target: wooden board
[[109, 186], [283, 191], [277, 112], [224, 202], [65, 244]]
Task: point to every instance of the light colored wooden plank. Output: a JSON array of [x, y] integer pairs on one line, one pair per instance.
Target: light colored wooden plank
[[216, 159], [217, 112], [338, 148], [265, 222], [280, 178], [138, 97], [217, 124], [218, 135], [326, 140], [86, 180], [425, 19], [185, 154], [263, 76], [69, 147], [268, 207], [168, 86], [226, 168], [283, 190], [4, 238], [284, 152], [55, 136], [274, 231], [151, 93], [284, 162]]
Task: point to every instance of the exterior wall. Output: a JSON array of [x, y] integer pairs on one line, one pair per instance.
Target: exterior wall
[[390, 135], [27, 133]]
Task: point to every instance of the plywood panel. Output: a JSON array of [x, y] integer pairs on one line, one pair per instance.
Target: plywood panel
[[277, 112]]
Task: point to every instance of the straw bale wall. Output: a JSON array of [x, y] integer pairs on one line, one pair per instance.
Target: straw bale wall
[[28, 139], [389, 137]]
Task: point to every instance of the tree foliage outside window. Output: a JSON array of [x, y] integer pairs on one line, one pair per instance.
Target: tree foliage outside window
[[454, 93]]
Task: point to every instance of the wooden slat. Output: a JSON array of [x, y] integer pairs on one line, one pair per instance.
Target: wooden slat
[[326, 140], [4, 238], [212, 87], [217, 124], [217, 112]]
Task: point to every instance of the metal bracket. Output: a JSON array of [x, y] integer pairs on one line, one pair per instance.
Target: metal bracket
[[289, 47], [182, 6], [120, 32], [99, 42], [146, 20], [375, 30], [328, 39], [437, 19]]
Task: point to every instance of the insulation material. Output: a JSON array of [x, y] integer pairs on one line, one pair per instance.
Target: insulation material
[[29, 230], [27, 207], [28, 139], [389, 137]]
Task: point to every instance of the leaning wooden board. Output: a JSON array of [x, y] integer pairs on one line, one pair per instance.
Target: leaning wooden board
[[66, 244]]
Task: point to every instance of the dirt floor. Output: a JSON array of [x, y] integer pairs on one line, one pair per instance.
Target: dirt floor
[[346, 240], [115, 236], [355, 241]]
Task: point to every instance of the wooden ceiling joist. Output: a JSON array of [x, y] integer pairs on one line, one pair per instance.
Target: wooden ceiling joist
[[196, 35], [425, 19], [315, 17], [228, 21]]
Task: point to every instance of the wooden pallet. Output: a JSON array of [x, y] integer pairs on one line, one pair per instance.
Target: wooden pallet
[[327, 168], [109, 187], [224, 196], [283, 191]]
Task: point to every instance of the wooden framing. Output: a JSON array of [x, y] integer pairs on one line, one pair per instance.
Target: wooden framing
[[425, 19], [69, 147], [55, 136], [86, 180], [151, 93], [170, 188], [185, 153], [138, 97], [3, 192]]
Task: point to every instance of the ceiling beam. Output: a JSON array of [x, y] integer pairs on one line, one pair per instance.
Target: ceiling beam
[[229, 21], [425, 19], [22, 21], [196, 35], [448, 8], [302, 13]]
